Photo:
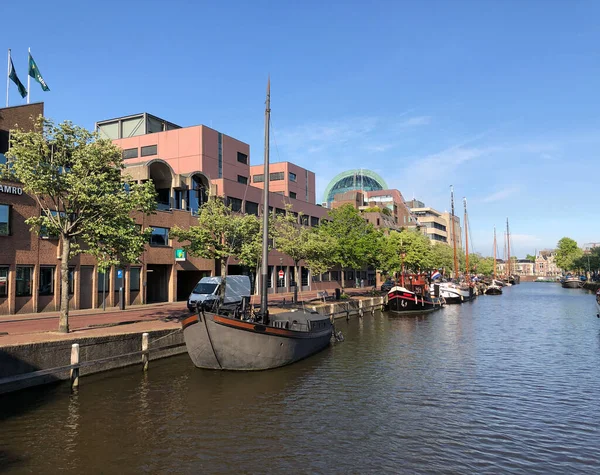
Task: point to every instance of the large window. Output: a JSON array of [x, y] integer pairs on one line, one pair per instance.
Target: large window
[[292, 176], [134, 278], [2, 159], [149, 150], [251, 208], [103, 281], [242, 158], [130, 153], [304, 219], [46, 281], [258, 178], [235, 204], [44, 233], [159, 237], [314, 221], [277, 176], [4, 220], [24, 281], [3, 281], [243, 179]]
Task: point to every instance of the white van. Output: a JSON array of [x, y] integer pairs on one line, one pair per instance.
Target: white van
[[207, 290]]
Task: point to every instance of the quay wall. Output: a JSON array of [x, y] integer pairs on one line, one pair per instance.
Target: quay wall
[[593, 286], [17, 360]]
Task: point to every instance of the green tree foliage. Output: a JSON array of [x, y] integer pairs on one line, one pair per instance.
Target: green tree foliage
[[408, 247], [530, 257], [442, 257], [355, 239], [85, 200], [301, 243], [567, 253], [220, 234]]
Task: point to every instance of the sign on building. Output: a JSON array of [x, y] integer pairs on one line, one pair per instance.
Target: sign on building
[[180, 255]]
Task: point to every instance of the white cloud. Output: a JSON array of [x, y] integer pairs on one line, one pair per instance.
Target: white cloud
[[501, 194], [416, 121]]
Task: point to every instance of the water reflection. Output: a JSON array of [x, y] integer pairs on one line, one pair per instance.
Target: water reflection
[[502, 384]]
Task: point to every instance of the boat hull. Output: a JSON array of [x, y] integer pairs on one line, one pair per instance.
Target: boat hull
[[493, 290], [402, 301], [571, 284], [224, 343]]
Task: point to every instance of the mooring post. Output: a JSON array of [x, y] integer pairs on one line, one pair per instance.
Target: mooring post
[[361, 310], [75, 361], [145, 350]]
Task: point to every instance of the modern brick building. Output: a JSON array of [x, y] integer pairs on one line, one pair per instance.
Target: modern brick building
[[185, 164]]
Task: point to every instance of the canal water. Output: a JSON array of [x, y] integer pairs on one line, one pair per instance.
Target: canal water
[[505, 384]]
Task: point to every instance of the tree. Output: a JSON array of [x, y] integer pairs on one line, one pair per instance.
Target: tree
[[219, 234], [442, 257], [85, 200], [408, 247], [355, 239], [530, 257], [567, 253], [292, 239]]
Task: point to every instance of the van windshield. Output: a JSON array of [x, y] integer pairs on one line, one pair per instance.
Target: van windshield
[[204, 288]]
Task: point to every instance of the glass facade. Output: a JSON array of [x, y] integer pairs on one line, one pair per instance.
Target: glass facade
[[354, 180]]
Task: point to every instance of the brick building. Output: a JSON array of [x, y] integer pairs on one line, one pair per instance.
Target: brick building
[[185, 164]]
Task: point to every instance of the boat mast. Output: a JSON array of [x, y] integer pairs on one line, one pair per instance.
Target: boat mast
[[466, 243], [265, 237], [494, 253], [508, 247], [453, 233]]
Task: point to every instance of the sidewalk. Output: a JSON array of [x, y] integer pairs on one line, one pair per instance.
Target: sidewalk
[[40, 327]]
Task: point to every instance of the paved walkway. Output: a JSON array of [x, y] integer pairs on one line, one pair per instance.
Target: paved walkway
[[38, 327]]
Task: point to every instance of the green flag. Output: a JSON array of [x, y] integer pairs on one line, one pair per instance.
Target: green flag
[[34, 72], [12, 74]]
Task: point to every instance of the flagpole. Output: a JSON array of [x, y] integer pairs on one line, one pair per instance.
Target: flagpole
[[28, 76], [7, 78]]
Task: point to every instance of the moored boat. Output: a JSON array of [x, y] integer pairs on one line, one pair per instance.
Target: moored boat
[[233, 337], [571, 282], [493, 289], [598, 303], [402, 300]]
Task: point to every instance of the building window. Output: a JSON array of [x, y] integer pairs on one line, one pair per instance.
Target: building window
[[270, 277], [243, 179], [280, 282], [104, 280], [292, 195], [3, 281], [46, 281], [242, 158], [292, 176], [314, 221], [335, 275], [235, 204], [258, 178], [4, 220], [71, 278], [304, 219], [220, 141], [148, 150], [304, 276], [44, 231], [2, 159], [159, 237], [24, 281], [277, 176], [279, 212], [130, 153], [251, 208], [178, 199], [134, 278]]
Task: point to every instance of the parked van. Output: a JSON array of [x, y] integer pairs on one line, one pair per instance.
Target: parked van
[[208, 289]]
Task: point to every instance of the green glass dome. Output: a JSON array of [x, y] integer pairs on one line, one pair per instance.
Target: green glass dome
[[365, 180]]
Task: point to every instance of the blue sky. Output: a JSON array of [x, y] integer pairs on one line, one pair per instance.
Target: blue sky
[[498, 98]]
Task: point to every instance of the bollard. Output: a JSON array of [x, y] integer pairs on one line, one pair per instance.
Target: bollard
[[145, 351], [361, 311], [75, 361], [332, 309]]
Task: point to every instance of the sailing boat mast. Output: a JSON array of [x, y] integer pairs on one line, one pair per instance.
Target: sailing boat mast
[[508, 247], [453, 233], [265, 237], [494, 252], [466, 223]]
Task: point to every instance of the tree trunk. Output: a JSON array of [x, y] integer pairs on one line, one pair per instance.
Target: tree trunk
[[63, 322], [343, 281], [296, 269]]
